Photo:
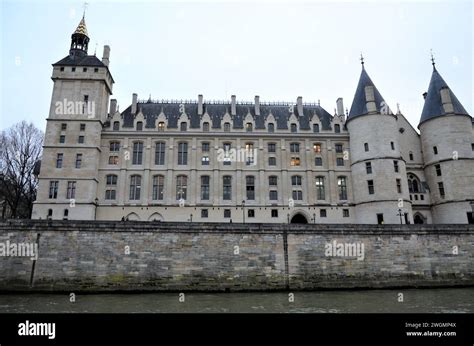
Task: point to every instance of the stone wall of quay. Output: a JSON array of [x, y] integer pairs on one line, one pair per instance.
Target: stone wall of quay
[[106, 256]]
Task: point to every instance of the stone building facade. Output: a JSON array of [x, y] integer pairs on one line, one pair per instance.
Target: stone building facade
[[230, 161]]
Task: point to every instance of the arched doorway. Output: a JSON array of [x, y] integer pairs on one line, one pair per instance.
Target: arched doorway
[[155, 217], [299, 218], [418, 219], [132, 217]]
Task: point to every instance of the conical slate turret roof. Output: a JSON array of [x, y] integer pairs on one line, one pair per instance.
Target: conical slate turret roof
[[359, 104], [433, 106], [81, 28]]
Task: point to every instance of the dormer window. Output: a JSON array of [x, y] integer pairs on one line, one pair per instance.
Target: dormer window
[[205, 127], [294, 128], [183, 126], [139, 126], [337, 128], [249, 127], [226, 127], [161, 126], [315, 128], [271, 128], [116, 126]]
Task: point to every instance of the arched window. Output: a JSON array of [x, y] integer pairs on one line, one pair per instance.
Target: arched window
[[158, 187], [116, 125], [205, 127], [139, 126], [271, 127], [294, 128], [135, 187], [337, 128], [413, 184]]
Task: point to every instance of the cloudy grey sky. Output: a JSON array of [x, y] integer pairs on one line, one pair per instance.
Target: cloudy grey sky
[[278, 50]]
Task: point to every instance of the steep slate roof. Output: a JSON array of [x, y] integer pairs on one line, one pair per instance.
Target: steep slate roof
[[433, 106], [359, 104], [151, 110], [81, 28]]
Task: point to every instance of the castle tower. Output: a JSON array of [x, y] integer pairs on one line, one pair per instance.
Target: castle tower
[[69, 169], [379, 176], [448, 153]]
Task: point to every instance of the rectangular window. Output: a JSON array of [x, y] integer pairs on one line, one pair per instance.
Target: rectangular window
[[368, 167], [137, 157], [317, 148], [62, 139], [273, 195], [272, 161], [82, 127], [370, 185], [249, 159], [395, 166], [250, 187], [441, 190], [366, 146], [205, 147], [227, 160], [271, 147], [294, 147], [323, 213], [114, 146], [295, 161], [380, 219], [315, 128], [320, 193], [251, 213], [226, 127], [116, 126], [205, 160], [438, 170], [227, 187], [297, 195], [71, 190], [158, 187], [73, 69], [78, 160], [392, 145], [110, 194], [182, 153], [161, 126], [227, 213], [337, 128], [111, 184], [294, 128], [96, 69], [411, 156], [84, 69], [181, 187], [249, 127], [472, 146], [81, 139], [59, 161], [345, 212], [204, 213], [318, 161], [435, 150], [113, 160], [183, 126], [160, 148], [135, 187], [205, 127], [274, 212], [342, 186], [470, 217], [139, 126], [273, 180], [339, 161], [62, 68], [63, 127], [205, 187], [271, 128], [53, 189], [399, 185], [339, 148]]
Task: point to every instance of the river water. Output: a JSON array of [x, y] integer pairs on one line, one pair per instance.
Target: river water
[[443, 300]]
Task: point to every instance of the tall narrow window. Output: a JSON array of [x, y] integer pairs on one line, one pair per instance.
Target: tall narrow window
[[366, 146], [227, 159], [59, 160], [435, 150], [205, 147], [80, 139], [53, 189], [339, 148], [116, 126], [399, 185], [135, 187], [315, 128], [395, 166], [438, 170], [114, 146], [63, 127], [441, 190], [182, 153], [205, 187], [370, 186], [110, 187], [411, 156], [158, 187], [161, 126], [320, 193], [227, 187], [368, 167], [271, 147], [85, 104], [71, 190], [337, 128], [297, 192], [342, 186], [78, 160], [294, 147], [183, 126], [82, 127], [294, 128], [392, 145], [139, 126], [160, 148], [205, 127], [271, 127], [272, 183], [339, 161], [62, 139], [181, 187], [249, 156], [318, 161], [250, 187], [137, 158], [226, 127], [249, 127]]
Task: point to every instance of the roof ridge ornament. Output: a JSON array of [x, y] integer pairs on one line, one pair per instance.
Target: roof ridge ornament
[[433, 60], [362, 60]]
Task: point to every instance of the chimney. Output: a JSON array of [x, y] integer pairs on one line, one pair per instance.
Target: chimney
[[106, 55], [370, 99], [424, 95], [299, 105], [340, 106], [257, 105], [446, 100], [134, 103], [233, 110], [113, 107], [200, 108]]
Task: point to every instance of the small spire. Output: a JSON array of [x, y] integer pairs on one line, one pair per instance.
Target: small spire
[[85, 7], [433, 60], [398, 109], [361, 59], [95, 50]]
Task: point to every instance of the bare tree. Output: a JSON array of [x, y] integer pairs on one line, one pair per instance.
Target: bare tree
[[20, 150]]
